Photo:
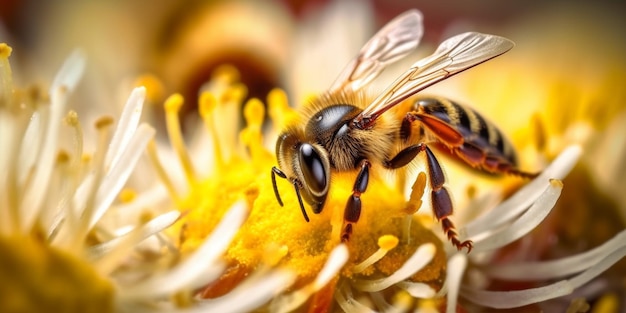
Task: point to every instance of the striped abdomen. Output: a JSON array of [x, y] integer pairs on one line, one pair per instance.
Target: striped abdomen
[[476, 131]]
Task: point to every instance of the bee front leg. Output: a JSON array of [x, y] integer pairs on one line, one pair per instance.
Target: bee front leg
[[353, 207]]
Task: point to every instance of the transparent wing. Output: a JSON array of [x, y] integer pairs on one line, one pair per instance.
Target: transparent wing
[[453, 56], [394, 41]]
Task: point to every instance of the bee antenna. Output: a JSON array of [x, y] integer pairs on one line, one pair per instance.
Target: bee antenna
[[276, 171], [295, 185]]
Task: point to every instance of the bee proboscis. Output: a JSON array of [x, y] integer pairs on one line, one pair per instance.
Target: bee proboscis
[[347, 131]]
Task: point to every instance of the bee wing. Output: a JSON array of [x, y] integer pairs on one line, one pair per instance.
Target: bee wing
[[394, 41], [453, 56]]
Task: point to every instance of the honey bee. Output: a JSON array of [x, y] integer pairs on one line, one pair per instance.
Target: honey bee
[[348, 131]]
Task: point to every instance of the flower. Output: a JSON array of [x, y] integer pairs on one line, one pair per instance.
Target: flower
[[387, 261], [379, 270], [58, 252], [245, 252]]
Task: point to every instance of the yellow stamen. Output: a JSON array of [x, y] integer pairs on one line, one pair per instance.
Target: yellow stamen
[[234, 94], [155, 91], [226, 74], [6, 77], [606, 303], [251, 136], [279, 109], [127, 195], [72, 120], [417, 191], [385, 243], [172, 107], [274, 254], [206, 106]]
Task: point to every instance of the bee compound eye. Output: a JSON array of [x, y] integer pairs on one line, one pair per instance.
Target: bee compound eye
[[313, 169]]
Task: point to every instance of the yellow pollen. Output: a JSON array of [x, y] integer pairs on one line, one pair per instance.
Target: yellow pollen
[[402, 299], [5, 50], [104, 122], [37, 277], [279, 109], [71, 118], [606, 303], [86, 158], [207, 104], [556, 183], [173, 103], [62, 157], [127, 195], [155, 91], [254, 113], [234, 93], [172, 106], [274, 254], [226, 74], [387, 242]]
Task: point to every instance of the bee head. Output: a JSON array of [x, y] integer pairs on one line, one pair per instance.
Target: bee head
[[307, 166]]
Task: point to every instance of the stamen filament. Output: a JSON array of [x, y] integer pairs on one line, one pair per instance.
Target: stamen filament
[[6, 77], [385, 243], [103, 125], [160, 171], [207, 105], [172, 107], [416, 262], [71, 119], [251, 135]]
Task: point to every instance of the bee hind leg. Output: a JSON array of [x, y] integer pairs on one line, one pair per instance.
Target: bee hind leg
[[441, 202], [353, 207], [440, 198]]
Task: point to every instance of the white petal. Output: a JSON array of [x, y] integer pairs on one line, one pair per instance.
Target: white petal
[[337, 258], [117, 176], [107, 255], [524, 197], [416, 262], [187, 271], [36, 191], [70, 73], [126, 126], [523, 225], [552, 269], [517, 298], [30, 150], [456, 268]]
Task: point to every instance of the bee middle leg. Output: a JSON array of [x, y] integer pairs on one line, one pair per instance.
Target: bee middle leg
[[353, 207], [440, 197]]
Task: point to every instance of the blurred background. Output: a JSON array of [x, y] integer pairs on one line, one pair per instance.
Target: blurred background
[[182, 42]]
